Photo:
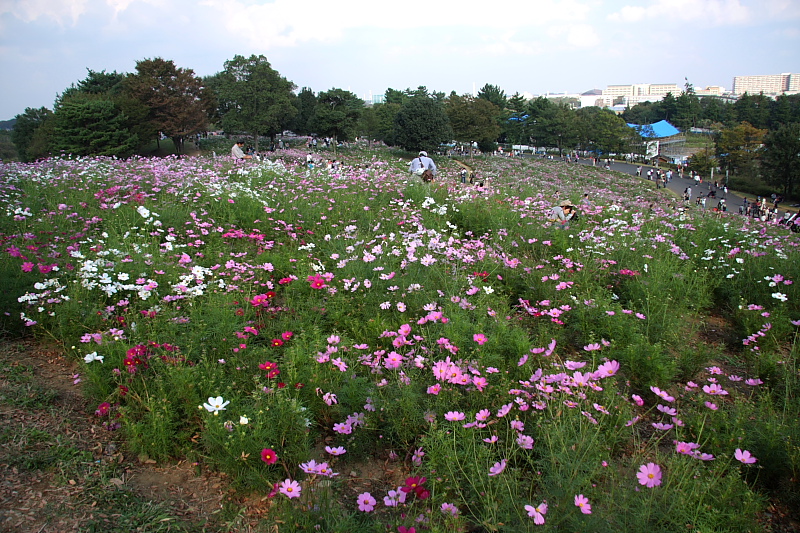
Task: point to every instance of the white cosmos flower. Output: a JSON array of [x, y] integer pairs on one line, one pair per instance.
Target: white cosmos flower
[[779, 296], [215, 405], [89, 357]]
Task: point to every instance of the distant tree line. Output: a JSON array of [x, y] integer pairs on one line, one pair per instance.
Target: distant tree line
[[121, 114]]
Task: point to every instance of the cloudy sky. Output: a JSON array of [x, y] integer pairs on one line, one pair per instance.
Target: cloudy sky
[[533, 46]]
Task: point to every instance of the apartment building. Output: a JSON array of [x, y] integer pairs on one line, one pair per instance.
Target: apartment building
[[771, 84], [640, 92]]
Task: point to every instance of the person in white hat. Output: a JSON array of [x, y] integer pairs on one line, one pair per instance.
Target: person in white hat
[[561, 214], [421, 164]]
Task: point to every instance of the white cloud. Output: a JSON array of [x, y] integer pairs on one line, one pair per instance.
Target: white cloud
[[282, 23], [582, 36], [31, 10], [709, 12]]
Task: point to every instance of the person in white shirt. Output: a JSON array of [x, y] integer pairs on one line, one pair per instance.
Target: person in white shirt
[[238, 153], [420, 164]]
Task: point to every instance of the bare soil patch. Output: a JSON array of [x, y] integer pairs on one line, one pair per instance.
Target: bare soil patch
[[60, 470]]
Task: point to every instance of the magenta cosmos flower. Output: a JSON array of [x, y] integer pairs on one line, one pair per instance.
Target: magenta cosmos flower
[[269, 456], [649, 475], [480, 338]]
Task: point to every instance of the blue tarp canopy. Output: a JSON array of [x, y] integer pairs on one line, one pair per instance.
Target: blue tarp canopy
[[656, 131]]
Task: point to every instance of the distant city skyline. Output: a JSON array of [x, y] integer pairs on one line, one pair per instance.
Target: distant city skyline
[[525, 46]]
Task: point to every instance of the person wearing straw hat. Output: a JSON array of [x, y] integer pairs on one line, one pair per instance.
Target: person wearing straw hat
[[561, 214]]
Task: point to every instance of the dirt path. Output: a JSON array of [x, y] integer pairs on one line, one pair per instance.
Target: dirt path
[[60, 470]]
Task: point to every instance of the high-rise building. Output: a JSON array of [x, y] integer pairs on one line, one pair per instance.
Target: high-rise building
[[772, 84]]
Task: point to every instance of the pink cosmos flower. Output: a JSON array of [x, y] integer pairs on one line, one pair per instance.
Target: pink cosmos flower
[[607, 369], [454, 416], [482, 415], [504, 410], [592, 347], [290, 489], [671, 411], [649, 475], [449, 508], [637, 399], [583, 503], [525, 442], [366, 502], [537, 513], [480, 338], [394, 497], [339, 450], [662, 394], [686, 448], [714, 389], [744, 456], [497, 468]]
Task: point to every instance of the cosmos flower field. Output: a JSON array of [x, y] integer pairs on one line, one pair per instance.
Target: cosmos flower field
[[636, 371]]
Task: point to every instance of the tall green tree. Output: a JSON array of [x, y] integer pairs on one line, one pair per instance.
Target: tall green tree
[[688, 108], [337, 114], [177, 100], [714, 112], [368, 124], [89, 124], [516, 103], [254, 99], [781, 158], [753, 109], [493, 94], [107, 83], [386, 114], [422, 124], [644, 113], [473, 120], [557, 127], [24, 129], [785, 110], [111, 86], [604, 131], [534, 129], [306, 103], [738, 148], [393, 96], [669, 107]]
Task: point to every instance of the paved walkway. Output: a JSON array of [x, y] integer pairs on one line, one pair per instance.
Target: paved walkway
[[677, 185]]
